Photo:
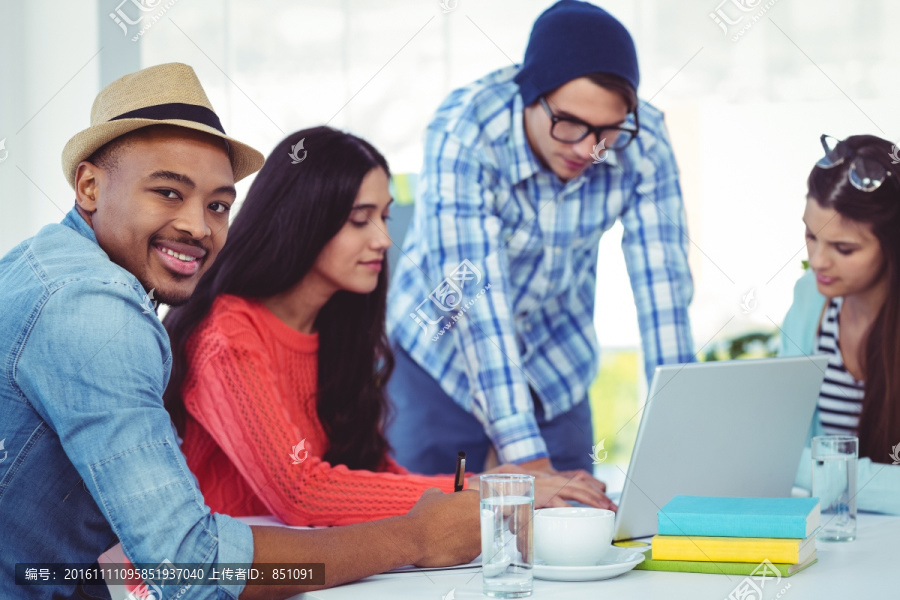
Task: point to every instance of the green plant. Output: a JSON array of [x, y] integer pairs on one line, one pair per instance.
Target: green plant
[[614, 402], [755, 344]]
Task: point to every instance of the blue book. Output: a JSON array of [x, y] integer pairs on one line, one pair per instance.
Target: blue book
[[796, 518]]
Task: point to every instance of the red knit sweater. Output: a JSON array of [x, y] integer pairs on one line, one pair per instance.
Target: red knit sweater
[[250, 395]]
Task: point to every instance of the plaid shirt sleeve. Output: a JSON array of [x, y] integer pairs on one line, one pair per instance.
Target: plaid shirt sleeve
[[458, 201], [655, 244]]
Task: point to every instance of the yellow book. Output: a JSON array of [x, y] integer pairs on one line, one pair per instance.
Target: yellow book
[[732, 549]]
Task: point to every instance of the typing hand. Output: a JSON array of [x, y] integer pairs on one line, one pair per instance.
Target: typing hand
[[553, 488]]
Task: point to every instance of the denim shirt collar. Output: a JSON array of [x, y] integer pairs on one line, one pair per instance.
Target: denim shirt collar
[[74, 220]]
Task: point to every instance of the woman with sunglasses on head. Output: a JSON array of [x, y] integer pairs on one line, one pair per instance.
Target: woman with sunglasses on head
[[280, 356], [848, 306]]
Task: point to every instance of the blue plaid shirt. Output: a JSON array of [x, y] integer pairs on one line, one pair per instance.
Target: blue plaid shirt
[[495, 293]]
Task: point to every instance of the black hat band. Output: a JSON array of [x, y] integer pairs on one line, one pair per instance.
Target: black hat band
[[176, 110]]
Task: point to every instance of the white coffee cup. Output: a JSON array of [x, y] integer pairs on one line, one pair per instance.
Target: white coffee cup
[[572, 536]]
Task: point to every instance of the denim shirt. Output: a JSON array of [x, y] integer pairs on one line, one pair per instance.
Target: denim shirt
[[89, 454]]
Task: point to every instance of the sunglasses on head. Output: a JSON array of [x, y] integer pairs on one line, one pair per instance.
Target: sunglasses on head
[[865, 174]]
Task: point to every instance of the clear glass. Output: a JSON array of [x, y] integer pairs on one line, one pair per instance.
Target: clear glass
[[834, 461], [507, 535]]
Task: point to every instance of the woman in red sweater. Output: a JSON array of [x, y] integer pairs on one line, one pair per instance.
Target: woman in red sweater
[[280, 356]]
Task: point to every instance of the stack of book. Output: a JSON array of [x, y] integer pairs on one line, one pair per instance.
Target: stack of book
[[735, 536]]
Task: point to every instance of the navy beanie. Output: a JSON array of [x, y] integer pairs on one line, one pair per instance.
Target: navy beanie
[[572, 39]]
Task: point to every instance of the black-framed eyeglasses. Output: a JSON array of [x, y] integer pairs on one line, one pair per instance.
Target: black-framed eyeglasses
[[865, 174], [570, 130]]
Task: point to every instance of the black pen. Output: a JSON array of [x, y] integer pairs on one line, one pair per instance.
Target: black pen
[[459, 482]]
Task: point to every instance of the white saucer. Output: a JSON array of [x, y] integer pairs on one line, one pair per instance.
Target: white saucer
[[615, 562]]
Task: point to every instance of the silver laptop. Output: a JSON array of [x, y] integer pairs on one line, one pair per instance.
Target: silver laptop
[[731, 428]]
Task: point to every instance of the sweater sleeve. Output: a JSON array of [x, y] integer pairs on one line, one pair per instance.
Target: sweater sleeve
[[231, 393]]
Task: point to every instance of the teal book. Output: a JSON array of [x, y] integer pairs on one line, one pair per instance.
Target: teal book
[[716, 516]]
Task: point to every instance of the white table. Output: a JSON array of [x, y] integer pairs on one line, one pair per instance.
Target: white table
[[868, 567]]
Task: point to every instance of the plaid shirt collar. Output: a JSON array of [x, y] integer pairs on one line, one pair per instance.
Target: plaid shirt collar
[[526, 164]]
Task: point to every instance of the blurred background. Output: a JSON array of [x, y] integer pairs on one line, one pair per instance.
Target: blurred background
[[747, 86]]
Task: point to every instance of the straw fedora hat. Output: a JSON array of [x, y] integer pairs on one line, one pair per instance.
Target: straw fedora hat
[[168, 94]]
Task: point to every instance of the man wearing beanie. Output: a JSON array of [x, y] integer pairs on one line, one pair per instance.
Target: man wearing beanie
[[491, 316], [88, 454]]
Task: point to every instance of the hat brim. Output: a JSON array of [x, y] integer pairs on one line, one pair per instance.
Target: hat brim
[[245, 159]]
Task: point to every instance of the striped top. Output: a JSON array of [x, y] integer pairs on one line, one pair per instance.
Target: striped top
[[840, 400]]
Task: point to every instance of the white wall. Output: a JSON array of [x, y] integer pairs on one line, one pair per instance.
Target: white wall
[[44, 76], [744, 116]]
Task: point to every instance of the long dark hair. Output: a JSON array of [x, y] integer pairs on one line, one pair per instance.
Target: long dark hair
[[879, 424], [290, 213]]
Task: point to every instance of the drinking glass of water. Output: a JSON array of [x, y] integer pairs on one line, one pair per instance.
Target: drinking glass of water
[[507, 534], [834, 461]]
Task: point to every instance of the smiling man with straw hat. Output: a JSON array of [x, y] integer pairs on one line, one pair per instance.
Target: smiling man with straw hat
[[154, 177], [89, 452]]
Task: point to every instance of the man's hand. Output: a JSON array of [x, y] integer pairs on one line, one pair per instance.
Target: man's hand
[[553, 488], [474, 483], [448, 528], [439, 531], [538, 465]]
